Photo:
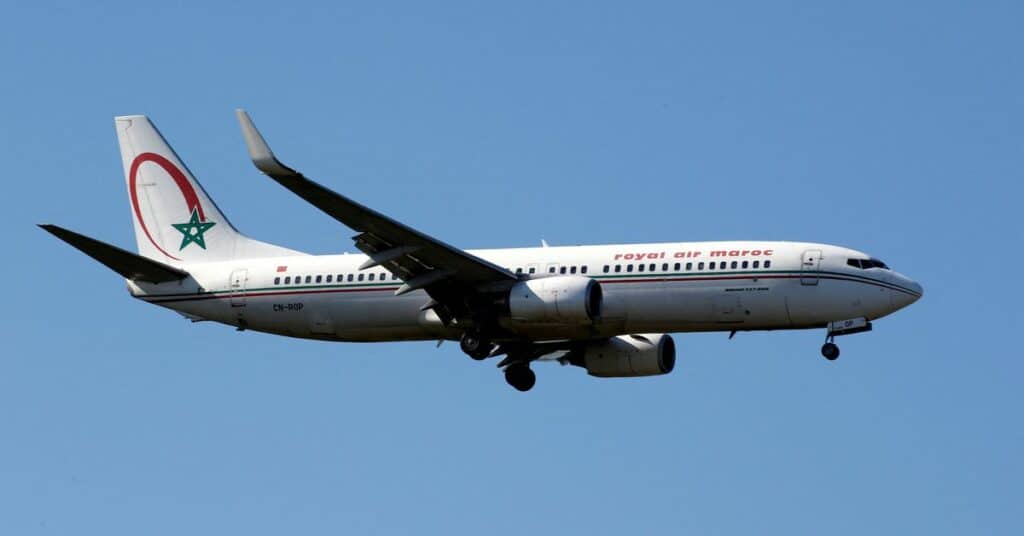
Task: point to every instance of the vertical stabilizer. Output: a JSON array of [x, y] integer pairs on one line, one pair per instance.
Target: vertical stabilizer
[[175, 220]]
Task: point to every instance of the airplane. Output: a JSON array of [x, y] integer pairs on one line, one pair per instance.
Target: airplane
[[609, 309]]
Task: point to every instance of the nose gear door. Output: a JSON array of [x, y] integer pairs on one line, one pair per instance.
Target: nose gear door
[[809, 267]]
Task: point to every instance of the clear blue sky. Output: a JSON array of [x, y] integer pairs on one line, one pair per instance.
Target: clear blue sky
[[891, 128]]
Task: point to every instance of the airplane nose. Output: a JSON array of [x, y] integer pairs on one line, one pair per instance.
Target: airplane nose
[[916, 287], [903, 298]]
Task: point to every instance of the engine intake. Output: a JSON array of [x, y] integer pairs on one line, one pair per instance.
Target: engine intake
[[559, 299], [627, 356]]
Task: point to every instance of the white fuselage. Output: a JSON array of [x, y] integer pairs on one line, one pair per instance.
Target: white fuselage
[[666, 287]]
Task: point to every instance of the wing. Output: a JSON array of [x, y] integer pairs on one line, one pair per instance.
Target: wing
[[451, 276]]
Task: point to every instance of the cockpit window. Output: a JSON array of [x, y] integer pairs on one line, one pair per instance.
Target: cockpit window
[[864, 264]]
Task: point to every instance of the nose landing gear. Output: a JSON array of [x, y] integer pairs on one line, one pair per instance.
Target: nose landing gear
[[830, 351], [842, 327]]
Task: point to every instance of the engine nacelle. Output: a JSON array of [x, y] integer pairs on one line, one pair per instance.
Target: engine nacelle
[[561, 299], [627, 356]]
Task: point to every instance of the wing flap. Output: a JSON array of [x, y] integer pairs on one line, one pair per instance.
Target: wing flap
[[129, 265]]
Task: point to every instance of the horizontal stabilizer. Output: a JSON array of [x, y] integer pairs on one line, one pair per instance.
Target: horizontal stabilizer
[[129, 265]]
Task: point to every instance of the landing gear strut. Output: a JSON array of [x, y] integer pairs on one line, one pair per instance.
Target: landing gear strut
[[520, 376], [475, 346]]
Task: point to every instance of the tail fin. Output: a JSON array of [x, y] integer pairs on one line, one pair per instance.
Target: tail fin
[[175, 220]]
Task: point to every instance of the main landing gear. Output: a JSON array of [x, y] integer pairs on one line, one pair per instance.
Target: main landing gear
[[475, 346], [517, 365], [520, 376]]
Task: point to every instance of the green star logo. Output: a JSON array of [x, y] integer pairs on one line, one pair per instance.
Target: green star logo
[[192, 232]]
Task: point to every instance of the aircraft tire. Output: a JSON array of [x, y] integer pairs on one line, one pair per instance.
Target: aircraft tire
[[520, 377], [830, 351], [475, 346]]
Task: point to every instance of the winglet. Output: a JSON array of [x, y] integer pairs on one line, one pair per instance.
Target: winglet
[[259, 151]]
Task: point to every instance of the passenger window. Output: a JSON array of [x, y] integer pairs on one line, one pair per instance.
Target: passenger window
[[330, 278], [629, 267], [519, 270], [640, 267], [319, 278], [572, 270], [288, 280], [341, 277], [361, 276], [533, 270], [277, 280], [606, 269], [370, 278], [677, 266], [561, 270], [551, 270], [689, 266], [309, 279], [745, 263], [734, 265], [349, 278], [583, 269], [767, 264], [700, 265], [757, 264]]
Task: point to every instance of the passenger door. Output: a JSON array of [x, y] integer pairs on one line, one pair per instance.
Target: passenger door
[[809, 267], [237, 287]]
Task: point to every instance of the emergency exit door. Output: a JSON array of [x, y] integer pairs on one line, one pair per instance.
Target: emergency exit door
[[810, 266]]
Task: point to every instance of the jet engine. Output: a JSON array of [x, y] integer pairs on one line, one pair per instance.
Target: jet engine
[[627, 356], [559, 299]]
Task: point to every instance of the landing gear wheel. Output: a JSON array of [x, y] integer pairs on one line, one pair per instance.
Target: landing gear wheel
[[520, 377], [475, 346], [830, 351]]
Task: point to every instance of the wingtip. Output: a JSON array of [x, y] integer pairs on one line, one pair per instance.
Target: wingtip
[[254, 142], [259, 151]]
